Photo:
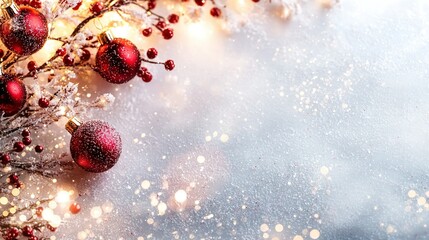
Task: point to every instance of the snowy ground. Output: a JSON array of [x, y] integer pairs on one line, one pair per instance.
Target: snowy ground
[[316, 128]]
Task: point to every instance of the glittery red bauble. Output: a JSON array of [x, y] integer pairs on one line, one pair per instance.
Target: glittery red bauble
[[95, 146], [118, 61], [26, 32], [13, 95]]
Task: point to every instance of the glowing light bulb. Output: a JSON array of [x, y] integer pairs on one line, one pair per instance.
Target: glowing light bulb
[[62, 197], [180, 196], [47, 214]]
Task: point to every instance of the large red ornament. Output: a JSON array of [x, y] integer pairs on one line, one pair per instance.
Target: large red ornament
[[24, 30], [94, 145], [117, 60], [13, 95]]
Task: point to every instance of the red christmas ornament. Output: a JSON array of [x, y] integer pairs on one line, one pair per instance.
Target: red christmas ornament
[[24, 31], [13, 95], [74, 208], [95, 145], [117, 59], [215, 12]]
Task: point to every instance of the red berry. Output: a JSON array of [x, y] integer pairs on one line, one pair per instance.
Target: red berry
[[38, 149], [36, 3], [1, 53], [61, 52], [33, 238], [11, 233], [167, 33], [161, 24], [96, 8], [39, 211], [86, 55], [13, 178], [26, 141], [43, 102], [18, 146], [173, 18], [151, 5], [27, 231], [68, 60], [139, 73], [169, 65], [5, 158], [89, 38], [147, 76], [255, 1], [25, 133], [31, 66], [77, 6], [24, 2], [74, 208], [151, 53], [215, 12], [52, 229], [200, 2], [147, 32]]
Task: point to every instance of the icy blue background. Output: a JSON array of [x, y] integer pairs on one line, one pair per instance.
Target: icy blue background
[[327, 118]]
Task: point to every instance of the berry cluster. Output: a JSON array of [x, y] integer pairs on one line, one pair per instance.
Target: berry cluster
[[31, 3], [19, 146]]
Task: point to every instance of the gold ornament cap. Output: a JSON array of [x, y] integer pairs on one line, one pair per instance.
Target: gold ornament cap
[[9, 9], [73, 124], [106, 37]]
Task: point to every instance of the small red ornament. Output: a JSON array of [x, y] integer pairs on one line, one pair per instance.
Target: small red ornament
[[38, 149], [215, 12], [18, 146], [168, 33], [147, 32], [25, 29], [151, 5], [151, 53], [51, 228], [77, 6], [27, 231], [25, 133], [86, 55], [200, 2], [74, 208], [13, 178], [36, 3], [96, 8], [11, 233], [39, 211], [146, 76], [95, 145], [13, 95], [68, 60], [173, 18], [31, 66], [117, 59], [5, 158], [26, 140], [61, 52], [43, 102], [169, 65], [161, 24]]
